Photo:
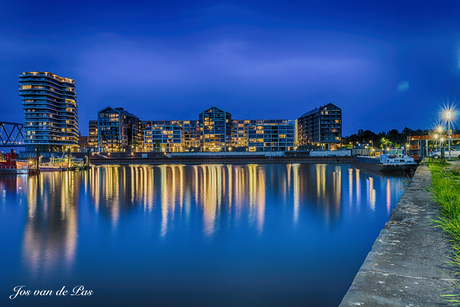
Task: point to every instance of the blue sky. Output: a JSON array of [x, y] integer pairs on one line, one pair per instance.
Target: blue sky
[[387, 64]]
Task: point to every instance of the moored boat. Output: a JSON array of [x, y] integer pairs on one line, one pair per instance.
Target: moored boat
[[13, 166], [392, 161]]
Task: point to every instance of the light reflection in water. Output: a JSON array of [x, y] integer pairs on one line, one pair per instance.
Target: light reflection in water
[[388, 195], [295, 169], [51, 230], [238, 192], [213, 219]]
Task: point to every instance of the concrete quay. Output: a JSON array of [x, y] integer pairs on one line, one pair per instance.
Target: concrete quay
[[221, 160], [407, 265]]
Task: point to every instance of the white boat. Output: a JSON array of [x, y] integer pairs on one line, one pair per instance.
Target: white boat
[[394, 160]]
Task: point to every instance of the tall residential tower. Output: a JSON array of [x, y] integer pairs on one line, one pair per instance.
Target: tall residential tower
[[50, 111]]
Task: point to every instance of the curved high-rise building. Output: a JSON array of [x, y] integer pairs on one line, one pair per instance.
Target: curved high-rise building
[[50, 111]]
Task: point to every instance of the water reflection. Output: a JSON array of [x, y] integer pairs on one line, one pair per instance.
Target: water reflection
[[255, 228], [239, 191], [51, 230]]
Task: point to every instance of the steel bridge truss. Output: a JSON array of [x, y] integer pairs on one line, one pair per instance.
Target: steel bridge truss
[[11, 134]]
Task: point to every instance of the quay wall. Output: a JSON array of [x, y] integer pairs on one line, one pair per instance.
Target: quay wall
[[407, 265], [217, 160]]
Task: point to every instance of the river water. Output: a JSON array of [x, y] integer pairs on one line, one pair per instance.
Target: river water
[[176, 235]]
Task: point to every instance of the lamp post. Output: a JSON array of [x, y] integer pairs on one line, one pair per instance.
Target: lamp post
[[448, 116], [436, 146]]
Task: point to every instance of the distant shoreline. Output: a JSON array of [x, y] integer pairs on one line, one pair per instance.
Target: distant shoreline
[[221, 160]]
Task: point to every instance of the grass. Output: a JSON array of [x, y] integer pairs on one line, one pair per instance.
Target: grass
[[445, 188]]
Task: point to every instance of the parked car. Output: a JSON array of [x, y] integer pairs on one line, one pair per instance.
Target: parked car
[[454, 153]]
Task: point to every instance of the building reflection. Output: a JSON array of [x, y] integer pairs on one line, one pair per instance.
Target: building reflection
[[223, 194], [51, 230], [117, 189]]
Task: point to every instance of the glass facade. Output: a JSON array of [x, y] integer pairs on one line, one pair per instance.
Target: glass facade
[[117, 130], [165, 138], [50, 111], [216, 129], [271, 137]]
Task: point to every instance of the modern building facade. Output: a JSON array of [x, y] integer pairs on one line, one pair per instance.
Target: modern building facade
[[92, 137], [272, 136], [164, 138], [216, 129], [321, 127], [50, 111], [117, 130]]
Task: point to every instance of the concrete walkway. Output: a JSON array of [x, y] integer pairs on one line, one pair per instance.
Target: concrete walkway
[[407, 265]]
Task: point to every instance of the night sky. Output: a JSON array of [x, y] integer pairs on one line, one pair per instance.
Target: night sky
[[387, 64]]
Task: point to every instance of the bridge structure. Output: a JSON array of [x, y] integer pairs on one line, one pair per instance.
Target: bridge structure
[[11, 134]]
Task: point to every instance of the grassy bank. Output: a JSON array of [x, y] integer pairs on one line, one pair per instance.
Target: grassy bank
[[445, 179]]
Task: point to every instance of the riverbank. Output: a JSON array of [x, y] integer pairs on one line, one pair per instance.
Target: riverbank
[[407, 265], [220, 160]]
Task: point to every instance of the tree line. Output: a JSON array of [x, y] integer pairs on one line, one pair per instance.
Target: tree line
[[391, 138]]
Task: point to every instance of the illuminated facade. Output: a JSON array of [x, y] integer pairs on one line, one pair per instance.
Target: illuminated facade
[[271, 136], [92, 137], [216, 129], [164, 138], [50, 111], [321, 127], [190, 132], [240, 131], [117, 130]]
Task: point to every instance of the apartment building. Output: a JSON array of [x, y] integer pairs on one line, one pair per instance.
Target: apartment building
[[50, 112], [272, 136], [215, 129], [321, 127], [117, 130], [163, 138]]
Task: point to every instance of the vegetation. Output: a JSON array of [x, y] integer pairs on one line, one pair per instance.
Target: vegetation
[[446, 192], [391, 138]]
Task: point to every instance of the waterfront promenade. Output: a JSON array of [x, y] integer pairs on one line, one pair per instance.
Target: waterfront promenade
[[407, 264]]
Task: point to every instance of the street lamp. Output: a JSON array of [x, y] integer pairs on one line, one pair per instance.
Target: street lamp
[[436, 146], [448, 116]]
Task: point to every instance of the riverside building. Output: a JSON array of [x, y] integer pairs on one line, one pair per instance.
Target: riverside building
[[216, 129], [117, 130], [164, 138], [321, 127], [92, 137], [272, 136], [50, 112]]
